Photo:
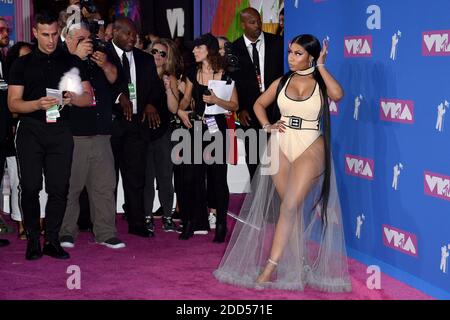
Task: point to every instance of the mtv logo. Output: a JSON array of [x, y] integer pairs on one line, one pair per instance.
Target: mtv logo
[[397, 110], [334, 107], [358, 46], [437, 185], [400, 240], [436, 43], [359, 167]]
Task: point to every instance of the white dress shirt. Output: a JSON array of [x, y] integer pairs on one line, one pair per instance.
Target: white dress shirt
[[261, 47], [132, 73]]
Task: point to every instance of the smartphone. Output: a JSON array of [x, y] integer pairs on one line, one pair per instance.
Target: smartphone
[[207, 92]]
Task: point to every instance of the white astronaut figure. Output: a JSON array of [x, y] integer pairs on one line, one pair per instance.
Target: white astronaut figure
[[357, 104], [395, 39], [440, 116], [444, 257], [359, 221], [397, 171]]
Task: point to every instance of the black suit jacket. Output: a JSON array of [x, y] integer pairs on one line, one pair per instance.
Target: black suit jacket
[[246, 83], [147, 82]]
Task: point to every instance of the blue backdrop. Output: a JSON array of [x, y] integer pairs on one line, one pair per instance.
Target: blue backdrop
[[391, 138], [7, 12]]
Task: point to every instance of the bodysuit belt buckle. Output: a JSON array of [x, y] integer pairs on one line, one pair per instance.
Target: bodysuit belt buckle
[[295, 122]]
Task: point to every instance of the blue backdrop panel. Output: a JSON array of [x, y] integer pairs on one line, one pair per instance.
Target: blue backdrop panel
[[391, 135], [7, 12]]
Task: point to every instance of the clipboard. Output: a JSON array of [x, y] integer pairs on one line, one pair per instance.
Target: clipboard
[[223, 90]]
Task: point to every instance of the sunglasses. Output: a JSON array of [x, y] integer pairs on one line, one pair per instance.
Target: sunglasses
[[5, 29], [162, 54]]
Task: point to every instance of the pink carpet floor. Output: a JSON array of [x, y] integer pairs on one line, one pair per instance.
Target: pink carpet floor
[[159, 268]]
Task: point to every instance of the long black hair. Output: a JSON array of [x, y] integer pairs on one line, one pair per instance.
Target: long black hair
[[312, 45]]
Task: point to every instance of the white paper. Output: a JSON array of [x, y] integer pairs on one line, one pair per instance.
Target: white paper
[[54, 93], [223, 91]]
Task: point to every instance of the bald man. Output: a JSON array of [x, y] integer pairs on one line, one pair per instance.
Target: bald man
[[138, 99], [255, 74]]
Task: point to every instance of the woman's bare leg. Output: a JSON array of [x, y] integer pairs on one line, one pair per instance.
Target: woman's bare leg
[[303, 174]]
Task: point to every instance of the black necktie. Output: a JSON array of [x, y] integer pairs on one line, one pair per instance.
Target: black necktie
[[255, 56], [126, 67]]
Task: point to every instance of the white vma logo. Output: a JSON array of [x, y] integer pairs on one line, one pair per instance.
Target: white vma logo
[[358, 46], [437, 185], [359, 167], [397, 169], [444, 258], [440, 115], [397, 110], [436, 42], [175, 18], [394, 43], [334, 108], [400, 240]]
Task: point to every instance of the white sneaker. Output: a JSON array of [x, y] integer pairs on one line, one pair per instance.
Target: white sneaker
[[114, 243], [67, 242], [67, 245], [212, 220], [202, 232]]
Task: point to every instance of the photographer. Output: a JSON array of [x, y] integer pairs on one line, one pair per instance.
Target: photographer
[[93, 162]]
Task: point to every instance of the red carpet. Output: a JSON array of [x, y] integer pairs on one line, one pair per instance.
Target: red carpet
[[159, 268]]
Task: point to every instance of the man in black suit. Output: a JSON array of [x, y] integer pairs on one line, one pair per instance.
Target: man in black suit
[[254, 76], [4, 113], [138, 85]]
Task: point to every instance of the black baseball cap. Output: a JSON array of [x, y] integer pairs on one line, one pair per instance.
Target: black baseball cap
[[208, 40]]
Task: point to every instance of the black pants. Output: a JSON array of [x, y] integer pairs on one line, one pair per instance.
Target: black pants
[[196, 183], [216, 175], [84, 219], [249, 146], [2, 164], [191, 185], [129, 149], [47, 148]]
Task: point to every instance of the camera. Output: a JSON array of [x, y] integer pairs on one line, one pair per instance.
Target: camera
[[88, 5], [94, 27], [231, 60]]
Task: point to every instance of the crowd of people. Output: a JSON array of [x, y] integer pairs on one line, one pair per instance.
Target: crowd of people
[[134, 92]]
